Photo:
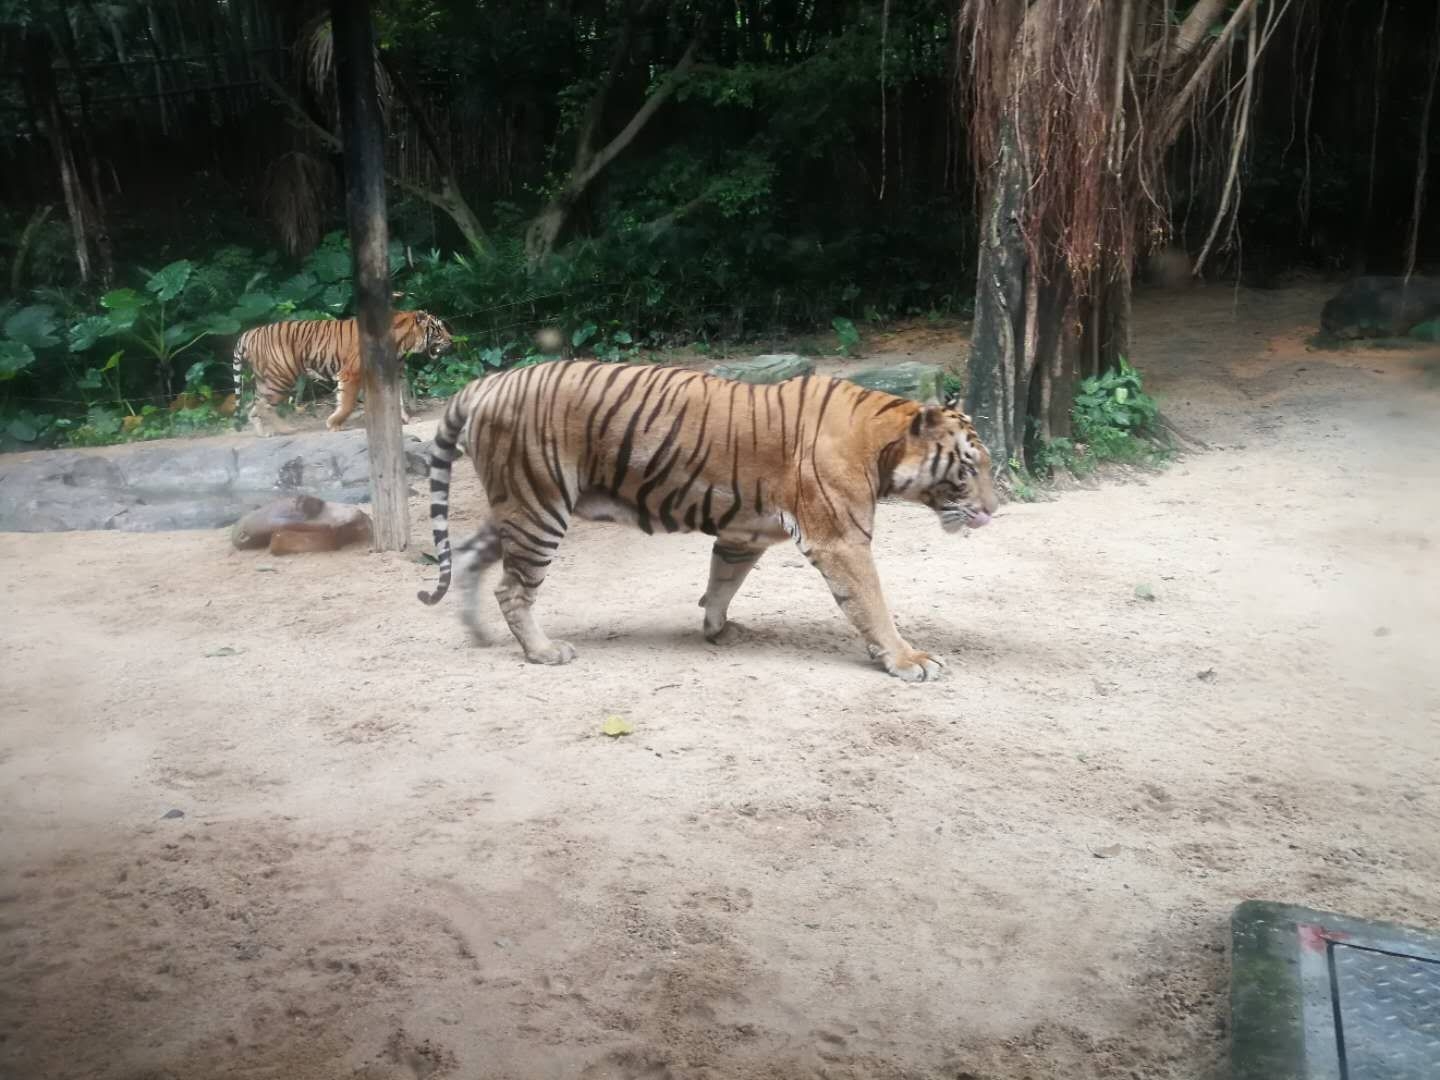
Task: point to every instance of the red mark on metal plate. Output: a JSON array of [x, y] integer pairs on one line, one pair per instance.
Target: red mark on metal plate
[[1314, 938]]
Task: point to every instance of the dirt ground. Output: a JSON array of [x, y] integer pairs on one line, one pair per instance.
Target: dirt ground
[[402, 855]]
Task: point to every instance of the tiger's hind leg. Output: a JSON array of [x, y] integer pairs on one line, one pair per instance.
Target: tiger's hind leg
[[730, 564], [526, 555], [262, 409], [346, 395], [478, 555]]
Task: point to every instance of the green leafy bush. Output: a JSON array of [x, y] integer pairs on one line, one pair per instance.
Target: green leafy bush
[[1112, 419]]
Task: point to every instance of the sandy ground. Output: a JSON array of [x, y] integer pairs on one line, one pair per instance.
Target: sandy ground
[[405, 856]]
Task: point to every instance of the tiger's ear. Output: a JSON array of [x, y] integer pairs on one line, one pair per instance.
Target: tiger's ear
[[929, 420]]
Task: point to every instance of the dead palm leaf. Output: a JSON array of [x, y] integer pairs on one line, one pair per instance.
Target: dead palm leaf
[[317, 47]]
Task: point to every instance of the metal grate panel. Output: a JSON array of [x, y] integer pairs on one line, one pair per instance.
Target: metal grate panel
[[1389, 1013]]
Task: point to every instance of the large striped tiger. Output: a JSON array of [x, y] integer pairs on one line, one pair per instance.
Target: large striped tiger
[[279, 352], [674, 450]]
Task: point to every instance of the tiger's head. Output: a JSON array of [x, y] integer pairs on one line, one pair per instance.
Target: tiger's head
[[421, 332], [436, 340], [941, 462]]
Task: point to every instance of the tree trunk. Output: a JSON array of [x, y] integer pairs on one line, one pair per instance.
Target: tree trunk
[[998, 338], [50, 116], [1033, 341], [369, 241], [449, 199]]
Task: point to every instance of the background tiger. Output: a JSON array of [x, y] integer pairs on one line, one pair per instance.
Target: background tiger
[[327, 348], [678, 451]]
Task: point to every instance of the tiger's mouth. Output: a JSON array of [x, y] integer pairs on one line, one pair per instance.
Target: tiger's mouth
[[956, 518]]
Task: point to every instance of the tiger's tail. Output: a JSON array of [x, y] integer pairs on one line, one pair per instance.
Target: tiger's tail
[[443, 451], [237, 365]]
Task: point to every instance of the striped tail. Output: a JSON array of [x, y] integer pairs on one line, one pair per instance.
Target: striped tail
[[442, 452], [237, 365]]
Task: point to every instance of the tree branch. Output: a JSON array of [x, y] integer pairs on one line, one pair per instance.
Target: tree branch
[[1169, 127], [441, 200], [1193, 30], [1117, 116], [1242, 128], [642, 115]]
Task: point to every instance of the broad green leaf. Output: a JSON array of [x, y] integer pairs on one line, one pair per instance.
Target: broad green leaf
[[91, 380], [621, 337], [222, 325], [89, 330], [336, 296], [122, 300], [123, 319], [330, 264], [178, 334], [583, 334], [299, 288], [33, 325], [114, 361], [169, 282], [22, 430], [252, 307], [15, 357], [104, 421], [1122, 395]]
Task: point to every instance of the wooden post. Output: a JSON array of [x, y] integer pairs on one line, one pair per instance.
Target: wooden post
[[369, 242]]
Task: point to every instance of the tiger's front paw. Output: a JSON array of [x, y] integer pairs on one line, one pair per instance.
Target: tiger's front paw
[[556, 652], [911, 665], [728, 633]]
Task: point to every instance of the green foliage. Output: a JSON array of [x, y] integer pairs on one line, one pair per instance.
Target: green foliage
[[846, 332], [1113, 405], [1113, 420]]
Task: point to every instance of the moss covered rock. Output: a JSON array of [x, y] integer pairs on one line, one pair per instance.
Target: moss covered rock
[[770, 368], [912, 379]]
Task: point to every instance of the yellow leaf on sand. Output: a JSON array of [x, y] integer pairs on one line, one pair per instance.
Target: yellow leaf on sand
[[615, 727]]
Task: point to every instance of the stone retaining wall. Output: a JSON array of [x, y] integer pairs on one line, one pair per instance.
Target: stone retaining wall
[[183, 484]]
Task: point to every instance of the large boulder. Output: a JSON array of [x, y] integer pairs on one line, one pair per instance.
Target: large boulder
[[771, 368], [184, 483], [1373, 306], [912, 379]]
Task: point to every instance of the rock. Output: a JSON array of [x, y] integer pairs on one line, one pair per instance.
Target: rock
[[1376, 306], [301, 523], [770, 368], [912, 379]]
